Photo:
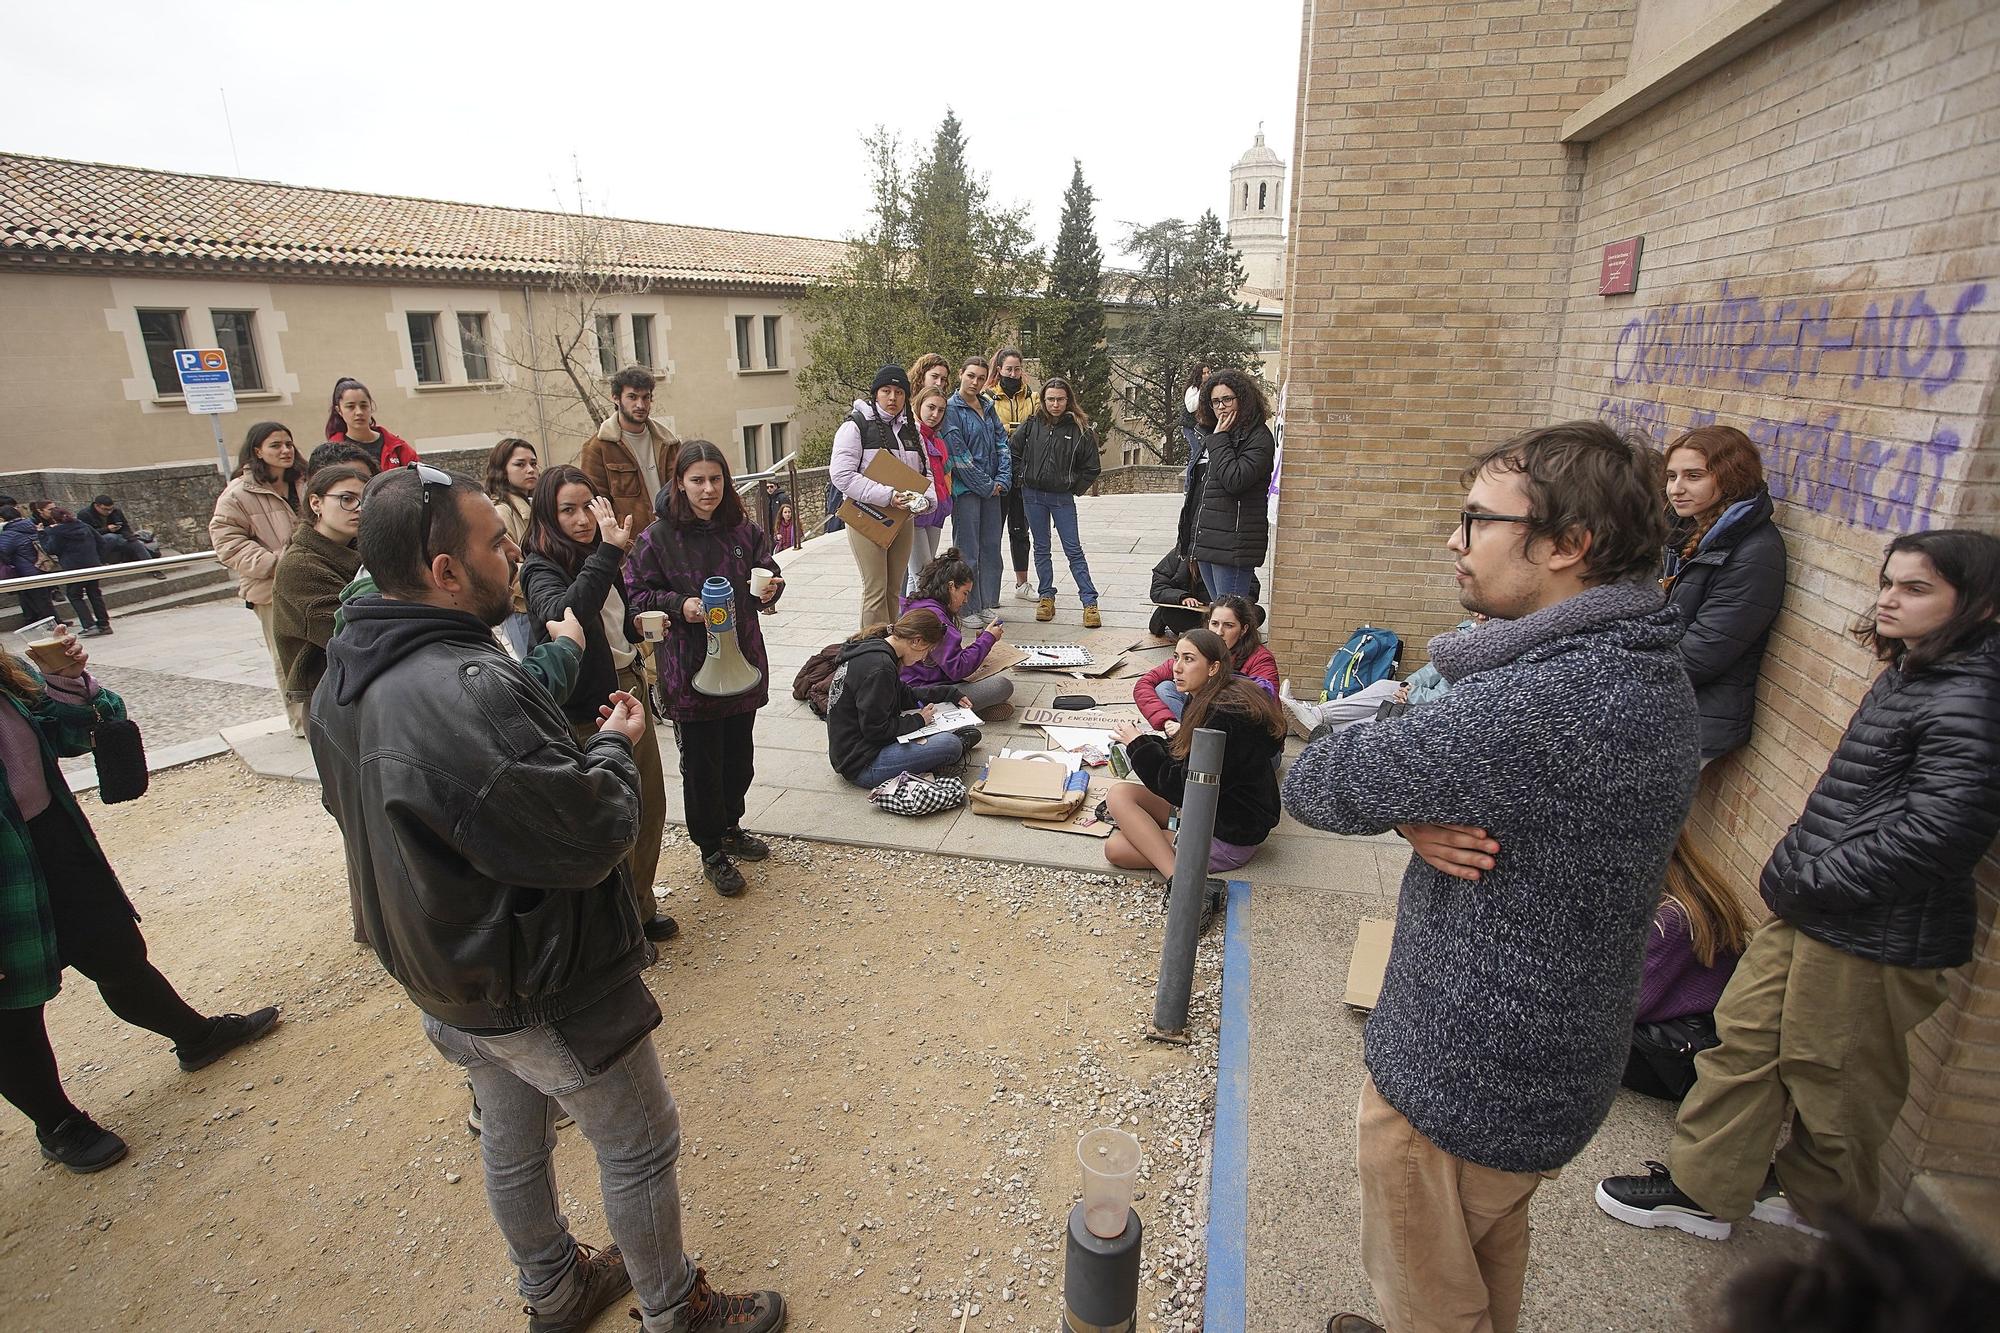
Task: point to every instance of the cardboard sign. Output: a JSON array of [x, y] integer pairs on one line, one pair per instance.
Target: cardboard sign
[[1031, 778], [1084, 821], [1370, 961], [1058, 717], [881, 525], [998, 658]]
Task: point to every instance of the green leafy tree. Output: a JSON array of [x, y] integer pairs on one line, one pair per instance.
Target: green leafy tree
[[1071, 316], [1180, 309], [941, 269]]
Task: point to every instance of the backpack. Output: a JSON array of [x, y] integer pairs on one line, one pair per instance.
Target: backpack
[[1370, 654], [815, 676]]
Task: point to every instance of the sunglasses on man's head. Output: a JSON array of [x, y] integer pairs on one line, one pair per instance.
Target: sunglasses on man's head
[[427, 477]]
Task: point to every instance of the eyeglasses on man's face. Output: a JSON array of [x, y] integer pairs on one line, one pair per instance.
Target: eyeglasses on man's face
[[427, 477], [1467, 517]]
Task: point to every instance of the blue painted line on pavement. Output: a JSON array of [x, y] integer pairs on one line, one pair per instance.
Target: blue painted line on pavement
[[1229, 1172]]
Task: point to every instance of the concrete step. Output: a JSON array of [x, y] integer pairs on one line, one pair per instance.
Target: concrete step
[[136, 593]]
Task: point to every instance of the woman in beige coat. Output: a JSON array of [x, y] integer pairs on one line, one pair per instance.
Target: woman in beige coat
[[253, 522]]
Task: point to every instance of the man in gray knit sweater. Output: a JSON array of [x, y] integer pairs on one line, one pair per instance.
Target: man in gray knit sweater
[[1542, 795]]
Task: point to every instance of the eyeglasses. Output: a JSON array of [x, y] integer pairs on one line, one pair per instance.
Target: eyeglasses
[[1467, 517], [1218, 399], [349, 500], [427, 477]]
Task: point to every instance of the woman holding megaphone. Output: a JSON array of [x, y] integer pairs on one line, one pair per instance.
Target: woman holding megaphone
[[708, 565]]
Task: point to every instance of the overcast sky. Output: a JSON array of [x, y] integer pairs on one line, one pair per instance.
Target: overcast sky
[[745, 114]]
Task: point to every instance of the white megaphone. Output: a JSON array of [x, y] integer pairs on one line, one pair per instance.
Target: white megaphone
[[725, 672]]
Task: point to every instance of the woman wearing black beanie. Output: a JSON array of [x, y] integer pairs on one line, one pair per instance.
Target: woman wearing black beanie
[[884, 423]]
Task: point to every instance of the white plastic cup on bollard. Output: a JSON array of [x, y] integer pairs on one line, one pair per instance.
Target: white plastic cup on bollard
[[1110, 1161]]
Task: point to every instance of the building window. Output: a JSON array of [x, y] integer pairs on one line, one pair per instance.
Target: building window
[[777, 441], [607, 345], [750, 448], [235, 334], [163, 331], [1260, 196], [424, 349], [642, 341], [472, 345], [771, 341], [743, 342]]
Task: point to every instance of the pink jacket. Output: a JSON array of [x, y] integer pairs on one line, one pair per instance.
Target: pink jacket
[[1262, 668]]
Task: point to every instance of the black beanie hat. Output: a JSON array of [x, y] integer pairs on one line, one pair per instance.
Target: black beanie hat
[[888, 375]]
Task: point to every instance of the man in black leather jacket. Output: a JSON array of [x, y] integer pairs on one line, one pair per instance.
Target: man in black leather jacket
[[486, 851]]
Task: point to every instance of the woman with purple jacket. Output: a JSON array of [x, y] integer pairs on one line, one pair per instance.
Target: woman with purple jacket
[[1699, 930], [703, 533], [944, 586]]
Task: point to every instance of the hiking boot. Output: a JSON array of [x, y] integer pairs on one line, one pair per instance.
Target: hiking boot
[[1653, 1200], [1045, 609], [81, 1144], [661, 929], [229, 1032], [720, 871], [600, 1280], [707, 1310], [1091, 620], [1772, 1206], [744, 846]]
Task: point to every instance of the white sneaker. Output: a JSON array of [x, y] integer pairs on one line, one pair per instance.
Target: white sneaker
[[1024, 593], [1303, 717], [1776, 1209]]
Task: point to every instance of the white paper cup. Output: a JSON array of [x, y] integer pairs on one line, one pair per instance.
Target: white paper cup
[[652, 624], [760, 582]]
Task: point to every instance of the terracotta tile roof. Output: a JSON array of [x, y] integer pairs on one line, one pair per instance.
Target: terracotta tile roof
[[90, 213]]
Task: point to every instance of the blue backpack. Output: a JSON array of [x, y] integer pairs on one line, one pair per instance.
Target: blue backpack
[[1369, 655]]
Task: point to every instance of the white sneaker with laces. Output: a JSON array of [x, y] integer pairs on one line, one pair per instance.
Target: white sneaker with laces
[[1024, 593]]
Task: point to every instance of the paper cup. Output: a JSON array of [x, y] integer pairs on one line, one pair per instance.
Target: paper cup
[[760, 582], [652, 624]]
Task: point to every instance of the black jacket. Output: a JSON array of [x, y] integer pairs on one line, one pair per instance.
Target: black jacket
[[486, 848], [1061, 457], [1729, 594], [73, 544], [549, 592], [99, 522], [869, 706], [1230, 522], [1247, 806], [1880, 864]]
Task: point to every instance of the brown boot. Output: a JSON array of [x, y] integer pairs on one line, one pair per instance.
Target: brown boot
[[707, 1310], [600, 1280], [1046, 609]]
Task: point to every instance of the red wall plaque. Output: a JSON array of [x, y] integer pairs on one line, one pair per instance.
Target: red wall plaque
[[1620, 273]]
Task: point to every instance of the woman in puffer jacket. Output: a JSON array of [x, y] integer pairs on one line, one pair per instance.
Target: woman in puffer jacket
[[1228, 530], [1725, 573], [1872, 899]]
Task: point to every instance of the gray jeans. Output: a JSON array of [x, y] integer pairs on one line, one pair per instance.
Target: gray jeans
[[629, 1118]]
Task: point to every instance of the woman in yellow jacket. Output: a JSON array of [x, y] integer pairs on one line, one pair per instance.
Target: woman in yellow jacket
[[253, 522]]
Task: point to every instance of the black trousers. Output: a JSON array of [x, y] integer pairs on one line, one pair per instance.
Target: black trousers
[[718, 760], [88, 599], [97, 935], [37, 604], [1017, 527]]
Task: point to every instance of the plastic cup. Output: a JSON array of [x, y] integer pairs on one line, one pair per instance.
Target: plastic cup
[[1110, 1161]]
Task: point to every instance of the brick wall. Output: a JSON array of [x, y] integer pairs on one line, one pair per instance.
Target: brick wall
[[1821, 268]]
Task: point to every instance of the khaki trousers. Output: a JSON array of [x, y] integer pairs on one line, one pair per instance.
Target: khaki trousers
[[1444, 1241], [882, 574], [295, 709], [645, 859], [1807, 1023]]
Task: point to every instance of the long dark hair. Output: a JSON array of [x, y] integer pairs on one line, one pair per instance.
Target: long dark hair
[[496, 467], [1075, 409], [1251, 410], [248, 462], [1225, 691], [1970, 562], [336, 424], [730, 513], [545, 535], [1246, 616], [936, 579]]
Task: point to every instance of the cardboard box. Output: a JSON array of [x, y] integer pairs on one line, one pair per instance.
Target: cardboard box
[[1034, 779], [881, 525], [1370, 961]]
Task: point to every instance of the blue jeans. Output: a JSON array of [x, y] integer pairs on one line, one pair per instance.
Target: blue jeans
[[924, 756], [1170, 695], [1044, 506], [975, 530], [634, 1129], [1222, 580]]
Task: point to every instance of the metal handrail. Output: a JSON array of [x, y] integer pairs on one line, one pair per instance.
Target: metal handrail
[[62, 577]]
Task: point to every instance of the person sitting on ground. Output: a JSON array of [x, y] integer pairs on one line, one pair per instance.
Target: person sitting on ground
[[342, 453], [1423, 686], [318, 562], [1699, 930], [870, 709], [944, 586], [1232, 619], [1254, 732], [64, 908], [70, 540], [1180, 598], [115, 536], [350, 419]]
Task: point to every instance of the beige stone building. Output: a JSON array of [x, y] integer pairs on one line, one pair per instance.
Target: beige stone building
[[1816, 186], [453, 314]]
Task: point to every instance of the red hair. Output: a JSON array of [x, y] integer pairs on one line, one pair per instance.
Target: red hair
[[1732, 459]]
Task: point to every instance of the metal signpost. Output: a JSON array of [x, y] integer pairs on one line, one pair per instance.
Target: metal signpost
[[206, 385]]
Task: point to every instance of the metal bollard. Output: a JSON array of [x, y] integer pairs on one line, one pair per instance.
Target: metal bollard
[[1197, 829]]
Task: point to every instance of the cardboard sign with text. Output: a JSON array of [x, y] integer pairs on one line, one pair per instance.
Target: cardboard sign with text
[[1058, 717], [881, 525]]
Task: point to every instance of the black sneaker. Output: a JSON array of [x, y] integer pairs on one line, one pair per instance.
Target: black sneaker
[[81, 1144], [707, 1310], [661, 929], [1653, 1200], [745, 846], [600, 1280], [720, 871], [229, 1032], [970, 735]]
